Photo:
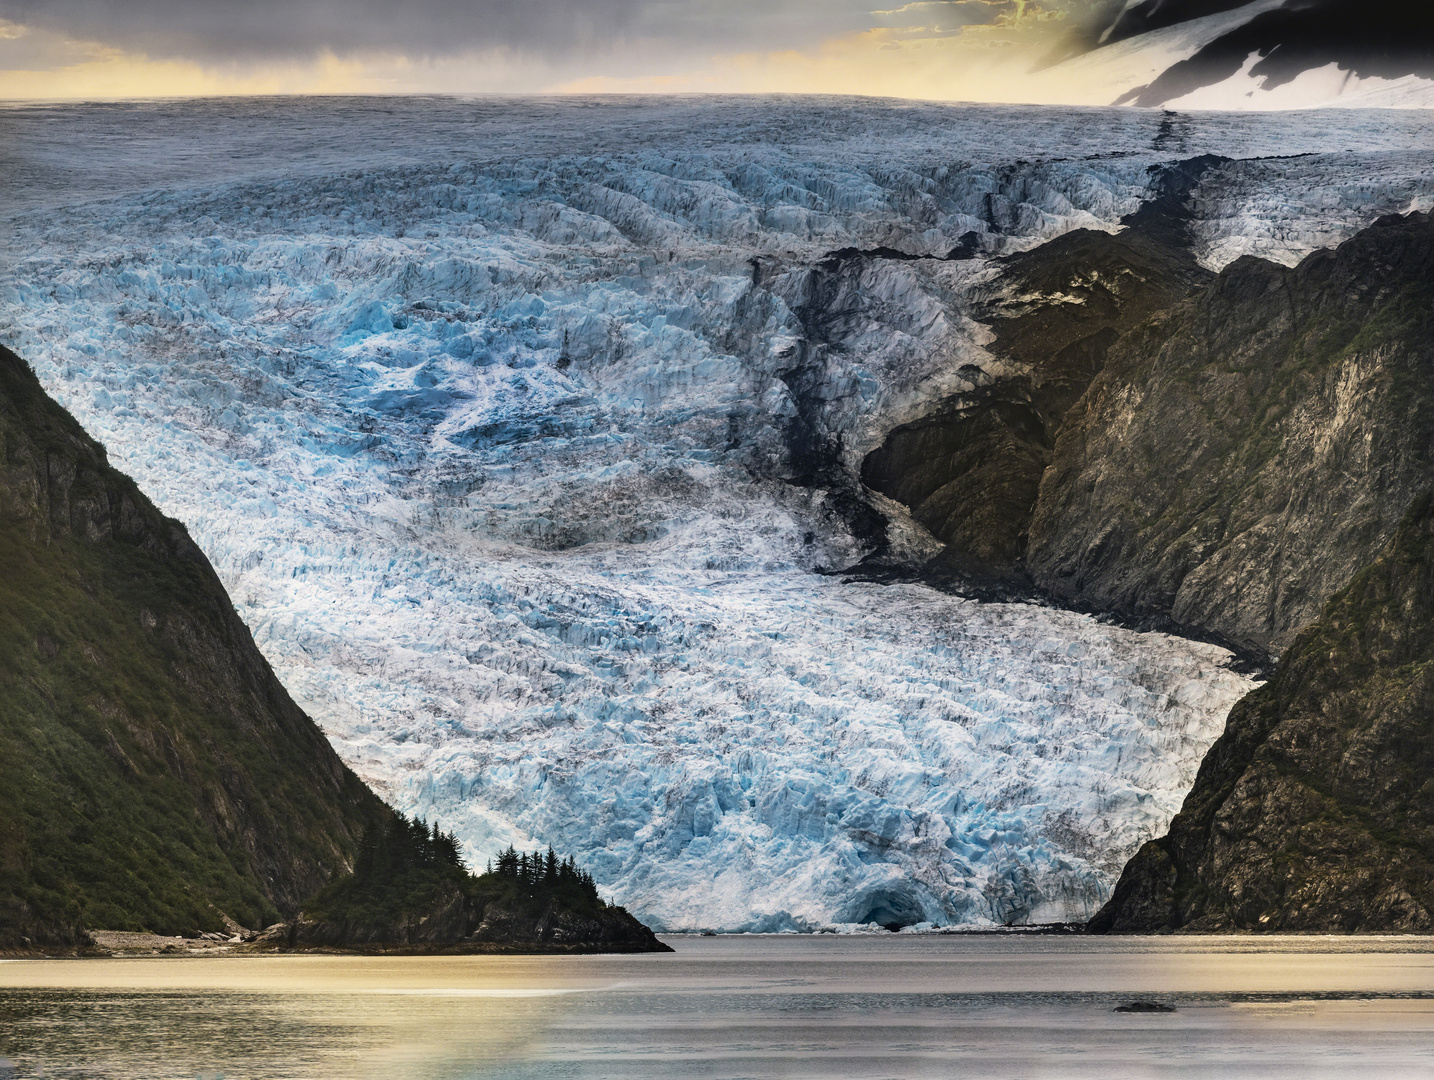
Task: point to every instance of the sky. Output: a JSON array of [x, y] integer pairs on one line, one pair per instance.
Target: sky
[[976, 50]]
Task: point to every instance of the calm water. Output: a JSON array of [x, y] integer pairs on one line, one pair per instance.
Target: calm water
[[967, 1007]]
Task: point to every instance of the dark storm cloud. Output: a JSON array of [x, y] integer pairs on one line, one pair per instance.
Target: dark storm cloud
[[288, 28]]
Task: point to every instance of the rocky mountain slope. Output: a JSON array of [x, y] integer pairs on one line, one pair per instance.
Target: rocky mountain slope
[[1241, 456], [153, 771], [1214, 453], [1313, 811], [970, 469]]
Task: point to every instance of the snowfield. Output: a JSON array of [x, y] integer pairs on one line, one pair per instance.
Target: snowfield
[[485, 412]]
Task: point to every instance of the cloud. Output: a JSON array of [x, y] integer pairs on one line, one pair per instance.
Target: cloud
[[116, 48], [203, 29]]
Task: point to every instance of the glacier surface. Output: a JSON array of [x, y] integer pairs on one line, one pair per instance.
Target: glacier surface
[[491, 416]]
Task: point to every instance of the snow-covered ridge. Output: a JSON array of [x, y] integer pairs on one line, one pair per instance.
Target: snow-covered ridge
[[1306, 55], [491, 452]]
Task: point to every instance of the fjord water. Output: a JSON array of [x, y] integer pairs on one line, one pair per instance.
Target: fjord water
[[744, 1006]]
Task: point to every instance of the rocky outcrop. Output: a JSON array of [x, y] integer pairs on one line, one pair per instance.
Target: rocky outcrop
[[556, 929], [463, 921], [1243, 454], [410, 892], [970, 470], [1315, 810], [154, 774]]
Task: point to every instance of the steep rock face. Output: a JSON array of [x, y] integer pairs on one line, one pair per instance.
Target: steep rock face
[[610, 930], [153, 771], [1315, 810], [970, 470], [1241, 456]]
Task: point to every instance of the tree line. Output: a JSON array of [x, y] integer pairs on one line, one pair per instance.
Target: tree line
[[405, 844], [545, 870]]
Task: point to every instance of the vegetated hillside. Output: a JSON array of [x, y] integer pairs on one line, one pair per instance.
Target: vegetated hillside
[[153, 771], [410, 892], [1315, 810], [1242, 455]]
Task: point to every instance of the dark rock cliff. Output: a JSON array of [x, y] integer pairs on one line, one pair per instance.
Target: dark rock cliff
[[153, 771], [970, 470], [1243, 454], [1315, 810]]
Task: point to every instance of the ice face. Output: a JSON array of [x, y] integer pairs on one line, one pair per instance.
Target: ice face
[[501, 458]]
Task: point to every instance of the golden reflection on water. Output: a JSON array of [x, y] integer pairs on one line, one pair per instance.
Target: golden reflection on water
[[748, 1006], [498, 976], [133, 1033]]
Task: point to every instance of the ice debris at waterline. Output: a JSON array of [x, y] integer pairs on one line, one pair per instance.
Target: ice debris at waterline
[[494, 449]]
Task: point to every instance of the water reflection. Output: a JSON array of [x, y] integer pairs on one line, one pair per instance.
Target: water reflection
[[743, 1007]]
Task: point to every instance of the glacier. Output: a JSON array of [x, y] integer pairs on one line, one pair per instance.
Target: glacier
[[495, 419]]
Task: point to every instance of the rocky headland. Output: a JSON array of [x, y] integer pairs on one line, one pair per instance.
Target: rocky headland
[[1210, 454], [410, 892]]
